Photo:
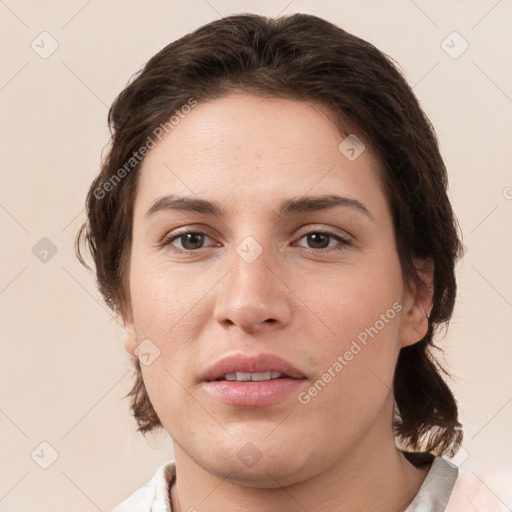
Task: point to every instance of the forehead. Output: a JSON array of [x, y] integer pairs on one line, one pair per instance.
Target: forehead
[[251, 148]]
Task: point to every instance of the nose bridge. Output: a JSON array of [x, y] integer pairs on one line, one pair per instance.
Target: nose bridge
[[251, 294], [251, 263], [250, 280]]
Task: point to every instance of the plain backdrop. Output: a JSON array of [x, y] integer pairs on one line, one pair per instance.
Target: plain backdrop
[[63, 367]]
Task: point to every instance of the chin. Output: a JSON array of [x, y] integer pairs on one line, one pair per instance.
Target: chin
[[265, 474], [261, 462]]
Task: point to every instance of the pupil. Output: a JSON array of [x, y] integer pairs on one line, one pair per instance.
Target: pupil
[[195, 239], [316, 238]]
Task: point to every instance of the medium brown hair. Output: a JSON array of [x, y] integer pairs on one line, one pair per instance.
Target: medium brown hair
[[306, 58]]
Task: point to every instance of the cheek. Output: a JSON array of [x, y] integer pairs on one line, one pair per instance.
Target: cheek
[[167, 312], [355, 366], [361, 313], [355, 298], [163, 298]]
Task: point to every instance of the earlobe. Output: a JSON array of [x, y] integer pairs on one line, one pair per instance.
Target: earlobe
[[131, 338], [131, 341], [420, 296]]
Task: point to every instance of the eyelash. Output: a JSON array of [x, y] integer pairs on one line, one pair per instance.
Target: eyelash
[[344, 241]]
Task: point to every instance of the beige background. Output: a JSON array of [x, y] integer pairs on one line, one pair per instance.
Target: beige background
[[63, 366]]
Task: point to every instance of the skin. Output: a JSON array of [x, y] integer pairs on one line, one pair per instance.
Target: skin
[[336, 452]]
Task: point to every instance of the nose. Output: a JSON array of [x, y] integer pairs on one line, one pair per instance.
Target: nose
[[253, 296]]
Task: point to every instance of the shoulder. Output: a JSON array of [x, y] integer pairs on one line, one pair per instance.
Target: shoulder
[[154, 496], [437, 487], [482, 491]]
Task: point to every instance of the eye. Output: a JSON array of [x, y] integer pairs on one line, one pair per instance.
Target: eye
[[320, 241], [190, 240]]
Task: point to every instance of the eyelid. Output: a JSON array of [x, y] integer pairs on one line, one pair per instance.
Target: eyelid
[[307, 229], [344, 239], [328, 230], [174, 235], [343, 242]]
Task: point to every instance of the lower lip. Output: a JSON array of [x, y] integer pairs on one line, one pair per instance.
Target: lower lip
[[253, 393]]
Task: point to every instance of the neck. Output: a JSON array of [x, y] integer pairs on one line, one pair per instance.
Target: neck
[[372, 476]]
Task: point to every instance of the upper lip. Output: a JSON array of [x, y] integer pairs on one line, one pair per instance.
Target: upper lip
[[251, 364]]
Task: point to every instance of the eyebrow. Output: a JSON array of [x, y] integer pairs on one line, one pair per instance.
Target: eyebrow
[[293, 205]]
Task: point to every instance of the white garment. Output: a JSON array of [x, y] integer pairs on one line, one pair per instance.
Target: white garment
[[432, 496]]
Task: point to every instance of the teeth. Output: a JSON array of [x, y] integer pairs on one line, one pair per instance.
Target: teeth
[[245, 377]]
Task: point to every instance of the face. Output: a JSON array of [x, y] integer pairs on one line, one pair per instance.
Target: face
[[311, 291]]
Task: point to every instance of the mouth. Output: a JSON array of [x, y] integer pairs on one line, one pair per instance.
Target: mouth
[[252, 380], [255, 367], [253, 377]]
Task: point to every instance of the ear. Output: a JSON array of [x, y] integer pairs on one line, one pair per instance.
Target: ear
[[418, 303], [131, 337]]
